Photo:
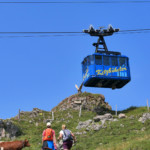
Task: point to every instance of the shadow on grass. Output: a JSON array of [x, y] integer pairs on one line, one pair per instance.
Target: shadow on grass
[[129, 109], [102, 110], [113, 112]]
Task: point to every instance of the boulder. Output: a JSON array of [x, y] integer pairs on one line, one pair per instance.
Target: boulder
[[36, 124], [143, 129], [89, 125], [146, 116], [105, 117], [30, 121], [96, 127], [80, 133], [131, 117], [121, 125], [115, 120], [83, 124], [120, 116]]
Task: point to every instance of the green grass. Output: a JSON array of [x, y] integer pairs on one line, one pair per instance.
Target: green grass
[[114, 137]]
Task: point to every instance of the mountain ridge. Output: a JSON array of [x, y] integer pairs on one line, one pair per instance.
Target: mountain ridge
[[95, 130]]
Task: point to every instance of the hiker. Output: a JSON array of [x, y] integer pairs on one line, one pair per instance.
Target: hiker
[[49, 138], [67, 136]]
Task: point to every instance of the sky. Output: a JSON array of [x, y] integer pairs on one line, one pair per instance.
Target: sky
[[40, 71]]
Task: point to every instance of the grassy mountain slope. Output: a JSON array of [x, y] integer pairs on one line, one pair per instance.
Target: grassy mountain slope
[[124, 134]]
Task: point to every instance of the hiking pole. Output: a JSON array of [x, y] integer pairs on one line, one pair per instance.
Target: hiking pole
[[58, 145], [75, 144]]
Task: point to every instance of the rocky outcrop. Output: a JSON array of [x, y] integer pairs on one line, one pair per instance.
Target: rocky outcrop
[[88, 125], [88, 101], [146, 116], [8, 130], [94, 124], [103, 117], [32, 114], [95, 127], [83, 124]]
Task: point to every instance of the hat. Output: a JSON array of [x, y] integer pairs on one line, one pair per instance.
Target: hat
[[48, 124]]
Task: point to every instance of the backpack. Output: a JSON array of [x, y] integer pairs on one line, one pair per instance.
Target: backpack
[[48, 135], [67, 135]]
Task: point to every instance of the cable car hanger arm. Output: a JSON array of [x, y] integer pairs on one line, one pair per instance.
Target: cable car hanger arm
[[101, 33]]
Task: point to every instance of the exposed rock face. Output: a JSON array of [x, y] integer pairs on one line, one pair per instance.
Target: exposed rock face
[[146, 116], [11, 129], [88, 101], [8, 129]]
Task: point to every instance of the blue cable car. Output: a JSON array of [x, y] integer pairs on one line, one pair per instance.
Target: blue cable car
[[106, 69]]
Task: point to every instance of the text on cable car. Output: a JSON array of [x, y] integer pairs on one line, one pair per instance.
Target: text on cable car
[[86, 75], [110, 70]]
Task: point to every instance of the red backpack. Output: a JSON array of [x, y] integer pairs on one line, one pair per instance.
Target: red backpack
[[48, 135]]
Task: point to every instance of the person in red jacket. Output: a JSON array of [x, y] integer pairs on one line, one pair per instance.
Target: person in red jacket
[[49, 138]]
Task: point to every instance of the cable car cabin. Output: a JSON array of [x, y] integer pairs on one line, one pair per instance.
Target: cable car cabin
[[107, 71]]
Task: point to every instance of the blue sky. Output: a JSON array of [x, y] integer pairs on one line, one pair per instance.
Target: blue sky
[[42, 71]]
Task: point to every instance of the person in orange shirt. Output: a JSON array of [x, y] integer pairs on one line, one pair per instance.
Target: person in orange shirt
[[49, 138]]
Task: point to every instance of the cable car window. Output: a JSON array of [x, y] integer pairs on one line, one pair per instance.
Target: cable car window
[[88, 60], [122, 61], [98, 60], [92, 59], [82, 67], [84, 64], [106, 61], [85, 61], [114, 61]]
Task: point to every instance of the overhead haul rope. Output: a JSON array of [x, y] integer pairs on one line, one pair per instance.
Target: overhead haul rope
[[72, 32], [56, 34], [75, 2], [67, 32]]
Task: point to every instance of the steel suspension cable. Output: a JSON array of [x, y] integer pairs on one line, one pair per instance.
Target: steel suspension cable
[[71, 32], [74, 2], [62, 34]]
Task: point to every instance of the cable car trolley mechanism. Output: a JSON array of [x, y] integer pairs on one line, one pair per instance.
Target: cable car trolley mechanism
[[106, 69]]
